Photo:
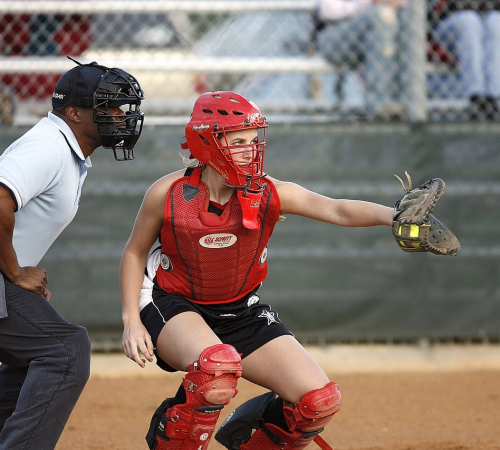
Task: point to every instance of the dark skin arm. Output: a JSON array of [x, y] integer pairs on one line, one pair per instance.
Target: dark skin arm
[[30, 278]]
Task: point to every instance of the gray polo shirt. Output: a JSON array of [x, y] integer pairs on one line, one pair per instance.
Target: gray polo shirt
[[44, 170]]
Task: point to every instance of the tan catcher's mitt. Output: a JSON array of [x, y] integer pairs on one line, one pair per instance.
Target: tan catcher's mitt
[[415, 228]]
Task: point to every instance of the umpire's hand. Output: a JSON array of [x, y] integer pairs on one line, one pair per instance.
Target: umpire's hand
[[33, 279]]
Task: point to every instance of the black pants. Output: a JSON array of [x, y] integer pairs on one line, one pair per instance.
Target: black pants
[[45, 366]]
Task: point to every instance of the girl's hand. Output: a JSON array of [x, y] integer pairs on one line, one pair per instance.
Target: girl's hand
[[136, 339]]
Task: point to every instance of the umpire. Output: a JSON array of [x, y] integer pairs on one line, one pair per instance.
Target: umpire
[[45, 360]]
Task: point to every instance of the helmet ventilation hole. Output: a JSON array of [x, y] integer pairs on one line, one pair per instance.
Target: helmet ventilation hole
[[223, 112], [203, 139]]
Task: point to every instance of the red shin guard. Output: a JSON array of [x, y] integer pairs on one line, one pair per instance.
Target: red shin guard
[[305, 420], [209, 385], [274, 438]]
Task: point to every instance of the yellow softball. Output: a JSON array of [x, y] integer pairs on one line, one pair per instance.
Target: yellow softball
[[414, 230]]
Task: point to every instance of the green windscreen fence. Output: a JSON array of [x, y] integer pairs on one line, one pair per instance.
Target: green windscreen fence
[[326, 282]]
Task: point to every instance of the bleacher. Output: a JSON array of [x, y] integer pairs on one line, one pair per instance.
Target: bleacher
[[157, 68]]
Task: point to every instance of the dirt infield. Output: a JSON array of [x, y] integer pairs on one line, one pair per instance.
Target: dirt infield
[[395, 398]]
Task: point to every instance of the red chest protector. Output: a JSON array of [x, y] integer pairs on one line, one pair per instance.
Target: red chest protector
[[209, 258]]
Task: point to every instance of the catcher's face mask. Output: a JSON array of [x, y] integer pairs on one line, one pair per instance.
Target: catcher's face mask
[[119, 131], [115, 97]]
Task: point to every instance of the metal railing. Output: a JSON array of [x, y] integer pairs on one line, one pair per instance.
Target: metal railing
[[165, 63]]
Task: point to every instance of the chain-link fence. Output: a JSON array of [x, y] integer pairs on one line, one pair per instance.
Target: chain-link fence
[[343, 59]]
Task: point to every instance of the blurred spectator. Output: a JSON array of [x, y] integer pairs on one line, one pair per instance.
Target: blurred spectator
[[260, 34], [470, 31], [351, 33], [41, 35]]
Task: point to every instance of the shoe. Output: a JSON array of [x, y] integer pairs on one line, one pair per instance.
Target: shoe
[[483, 108], [391, 111], [493, 109]]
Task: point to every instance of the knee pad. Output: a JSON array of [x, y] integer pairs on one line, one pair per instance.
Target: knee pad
[[314, 410], [209, 385], [212, 379]]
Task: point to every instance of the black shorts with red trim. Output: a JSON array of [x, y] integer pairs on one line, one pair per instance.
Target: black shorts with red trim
[[246, 324]]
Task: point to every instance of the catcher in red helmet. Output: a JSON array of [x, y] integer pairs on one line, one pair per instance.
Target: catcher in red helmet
[[198, 308]]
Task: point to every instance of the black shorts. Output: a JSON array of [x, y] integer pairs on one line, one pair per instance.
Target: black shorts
[[245, 323]]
